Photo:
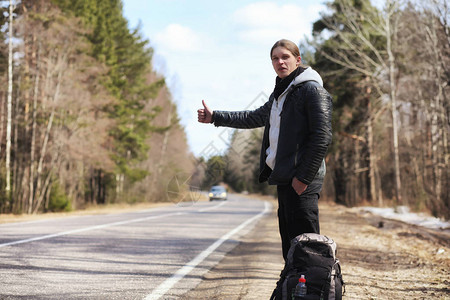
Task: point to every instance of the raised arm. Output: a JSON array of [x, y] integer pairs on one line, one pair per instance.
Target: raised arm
[[236, 119]]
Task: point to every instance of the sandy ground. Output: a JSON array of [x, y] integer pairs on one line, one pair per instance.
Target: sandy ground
[[395, 261], [384, 259]]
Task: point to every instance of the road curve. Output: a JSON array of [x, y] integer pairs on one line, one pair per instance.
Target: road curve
[[153, 254]]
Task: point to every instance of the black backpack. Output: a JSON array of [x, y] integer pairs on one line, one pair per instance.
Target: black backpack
[[314, 256]]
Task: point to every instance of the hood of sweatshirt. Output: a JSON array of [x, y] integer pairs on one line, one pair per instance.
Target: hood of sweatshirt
[[307, 75]]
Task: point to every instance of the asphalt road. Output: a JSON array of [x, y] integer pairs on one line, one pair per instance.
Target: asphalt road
[[153, 254]]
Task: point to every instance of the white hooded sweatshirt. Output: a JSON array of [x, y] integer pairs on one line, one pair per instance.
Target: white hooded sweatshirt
[[275, 114]]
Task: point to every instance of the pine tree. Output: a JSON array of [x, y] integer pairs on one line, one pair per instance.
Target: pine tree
[[350, 60], [128, 58]]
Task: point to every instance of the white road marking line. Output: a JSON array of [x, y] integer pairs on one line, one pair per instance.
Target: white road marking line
[[49, 236], [165, 286], [212, 207]]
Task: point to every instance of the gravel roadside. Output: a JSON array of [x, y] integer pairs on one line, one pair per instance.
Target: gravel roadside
[[395, 261]]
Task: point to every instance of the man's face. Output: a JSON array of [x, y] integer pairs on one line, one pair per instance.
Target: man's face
[[284, 62]]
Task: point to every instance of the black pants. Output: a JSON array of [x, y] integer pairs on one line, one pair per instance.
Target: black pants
[[297, 214]]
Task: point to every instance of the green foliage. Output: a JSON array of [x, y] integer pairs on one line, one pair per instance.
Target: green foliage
[[3, 34], [340, 59], [128, 59], [58, 201], [242, 163], [215, 170], [85, 68], [346, 85]]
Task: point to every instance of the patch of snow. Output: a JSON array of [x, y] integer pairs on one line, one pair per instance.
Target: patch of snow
[[402, 213]]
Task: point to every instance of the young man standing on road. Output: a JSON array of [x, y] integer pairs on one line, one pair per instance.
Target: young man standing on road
[[297, 121]]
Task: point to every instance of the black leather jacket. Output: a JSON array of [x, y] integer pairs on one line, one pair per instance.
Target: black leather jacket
[[305, 133]]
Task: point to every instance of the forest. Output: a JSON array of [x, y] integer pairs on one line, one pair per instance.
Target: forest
[[86, 120]]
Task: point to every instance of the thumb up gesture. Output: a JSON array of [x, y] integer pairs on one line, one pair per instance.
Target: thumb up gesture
[[204, 114]]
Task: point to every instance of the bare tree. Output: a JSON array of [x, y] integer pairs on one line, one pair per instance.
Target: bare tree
[[9, 104], [390, 28], [427, 87], [33, 134], [60, 120], [357, 51]]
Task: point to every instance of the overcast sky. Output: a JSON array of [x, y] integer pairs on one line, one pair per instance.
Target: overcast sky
[[218, 51]]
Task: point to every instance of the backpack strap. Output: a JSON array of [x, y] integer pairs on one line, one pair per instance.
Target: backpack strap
[[276, 294], [324, 294]]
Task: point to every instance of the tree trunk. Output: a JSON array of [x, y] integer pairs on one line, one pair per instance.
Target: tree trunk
[[45, 189], [9, 107], [16, 187], [371, 154], [48, 130], [2, 117], [437, 124], [93, 186], [160, 163], [165, 140], [356, 187], [33, 135], [393, 96]]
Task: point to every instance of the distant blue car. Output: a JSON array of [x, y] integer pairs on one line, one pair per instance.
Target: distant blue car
[[217, 192]]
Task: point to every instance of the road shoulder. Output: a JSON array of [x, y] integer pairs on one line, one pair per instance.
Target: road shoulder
[[392, 262], [250, 270]]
